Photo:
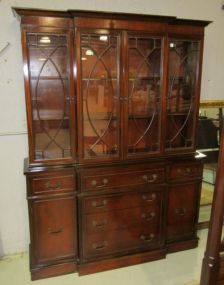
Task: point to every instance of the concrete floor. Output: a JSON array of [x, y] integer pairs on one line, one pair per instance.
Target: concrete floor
[[182, 268]]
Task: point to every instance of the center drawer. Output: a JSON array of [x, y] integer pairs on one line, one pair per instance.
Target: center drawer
[[119, 241], [121, 201], [121, 219], [101, 179]]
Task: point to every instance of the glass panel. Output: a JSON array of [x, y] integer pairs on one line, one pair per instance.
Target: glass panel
[[208, 144], [183, 65], [49, 80], [100, 94], [144, 59]]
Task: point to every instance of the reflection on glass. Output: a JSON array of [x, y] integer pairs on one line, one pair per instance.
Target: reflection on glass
[[49, 80], [182, 78], [210, 122], [144, 61], [100, 94]]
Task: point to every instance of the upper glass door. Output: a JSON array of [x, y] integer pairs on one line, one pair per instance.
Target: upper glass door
[[100, 91], [144, 95], [49, 74], [182, 94]]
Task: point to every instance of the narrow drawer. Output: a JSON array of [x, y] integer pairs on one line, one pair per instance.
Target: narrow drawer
[[115, 242], [120, 201], [53, 183], [121, 219], [180, 171], [122, 178]]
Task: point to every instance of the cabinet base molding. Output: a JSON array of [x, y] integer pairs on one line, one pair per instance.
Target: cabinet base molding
[[182, 245], [53, 270], [113, 263]]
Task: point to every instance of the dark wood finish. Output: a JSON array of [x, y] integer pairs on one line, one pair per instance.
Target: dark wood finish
[[113, 263], [104, 221], [183, 171], [135, 218], [123, 178], [120, 201], [54, 236], [104, 190], [182, 204], [182, 245], [100, 245], [53, 270], [53, 184]]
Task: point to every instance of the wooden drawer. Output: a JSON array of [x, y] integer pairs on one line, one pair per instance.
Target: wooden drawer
[[118, 241], [52, 183], [120, 201], [54, 234], [182, 209], [183, 171], [103, 180], [121, 219]]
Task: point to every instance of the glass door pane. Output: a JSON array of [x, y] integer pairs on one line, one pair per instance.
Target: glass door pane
[[144, 94], [100, 95], [182, 79], [48, 56]]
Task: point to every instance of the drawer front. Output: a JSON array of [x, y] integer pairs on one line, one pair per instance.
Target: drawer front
[[120, 201], [110, 242], [123, 178], [53, 183], [183, 171], [182, 209], [121, 219], [54, 235]]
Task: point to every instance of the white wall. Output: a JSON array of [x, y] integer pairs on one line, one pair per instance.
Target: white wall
[[14, 236]]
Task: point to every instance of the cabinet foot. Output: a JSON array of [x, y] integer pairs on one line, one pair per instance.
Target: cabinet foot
[[182, 245], [53, 270]]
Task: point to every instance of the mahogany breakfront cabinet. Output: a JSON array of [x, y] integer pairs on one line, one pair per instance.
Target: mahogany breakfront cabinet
[[112, 103]]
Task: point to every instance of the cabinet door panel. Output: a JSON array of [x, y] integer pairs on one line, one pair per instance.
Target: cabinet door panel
[[49, 73], [55, 229], [182, 93], [144, 94], [182, 210], [100, 91]]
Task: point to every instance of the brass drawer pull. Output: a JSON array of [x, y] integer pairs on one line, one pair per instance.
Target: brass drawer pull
[[186, 171], [150, 179], [100, 247], [145, 197], [105, 182], [55, 231], [57, 186], [181, 212], [95, 205], [148, 217], [147, 239], [100, 224]]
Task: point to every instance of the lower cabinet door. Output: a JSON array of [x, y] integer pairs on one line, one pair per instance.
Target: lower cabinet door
[[182, 210], [53, 232]]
